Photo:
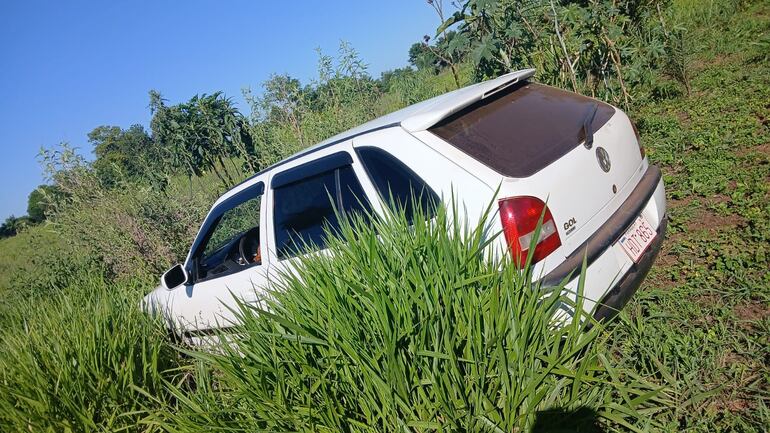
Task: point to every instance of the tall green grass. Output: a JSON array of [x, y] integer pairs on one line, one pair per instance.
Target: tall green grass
[[409, 327], [82, 359], [406, 326]]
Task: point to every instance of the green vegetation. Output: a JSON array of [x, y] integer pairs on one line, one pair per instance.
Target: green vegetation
[[64, 370], [690, 352], [441, 340], [702, 321]]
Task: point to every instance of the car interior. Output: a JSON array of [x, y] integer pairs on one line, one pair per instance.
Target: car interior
[[232, 242]]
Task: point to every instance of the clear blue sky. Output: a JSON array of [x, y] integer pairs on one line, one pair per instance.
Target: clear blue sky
[[69, 66]]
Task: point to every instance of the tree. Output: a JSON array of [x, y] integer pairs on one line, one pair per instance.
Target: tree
[[203, 135], [288, 116], [421, 57], [387, 78], [285, 101], [40, 201], [448, 51], [120, 152], [449, 48], [12, 226], [597, 47]]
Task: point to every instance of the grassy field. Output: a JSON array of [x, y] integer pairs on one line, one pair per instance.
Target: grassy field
[[76, 356], [702, 322]]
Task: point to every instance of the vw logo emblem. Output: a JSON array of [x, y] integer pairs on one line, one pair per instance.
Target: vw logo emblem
[[604, 159]]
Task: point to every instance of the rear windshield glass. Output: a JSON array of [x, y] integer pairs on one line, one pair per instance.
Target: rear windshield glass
[[522, 129]]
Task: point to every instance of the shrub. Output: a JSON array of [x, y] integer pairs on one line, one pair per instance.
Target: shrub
[[135, 231], [35, 261]]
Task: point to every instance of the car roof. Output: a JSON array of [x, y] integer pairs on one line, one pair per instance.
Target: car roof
[[414, 118]]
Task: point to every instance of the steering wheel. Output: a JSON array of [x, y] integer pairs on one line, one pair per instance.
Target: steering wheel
[[248, 247]]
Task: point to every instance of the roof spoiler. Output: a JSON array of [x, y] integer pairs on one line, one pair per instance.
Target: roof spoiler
[[462, 98]]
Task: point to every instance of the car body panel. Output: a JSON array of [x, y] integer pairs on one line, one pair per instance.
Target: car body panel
[[580, 193], [445, 177]]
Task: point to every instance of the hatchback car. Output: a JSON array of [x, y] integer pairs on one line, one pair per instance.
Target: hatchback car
[[507, 140]]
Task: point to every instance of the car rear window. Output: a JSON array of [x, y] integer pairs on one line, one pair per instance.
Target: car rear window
[[522, 129], [396, 183]]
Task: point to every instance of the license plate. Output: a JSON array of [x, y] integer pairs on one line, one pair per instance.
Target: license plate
[[637, 238]]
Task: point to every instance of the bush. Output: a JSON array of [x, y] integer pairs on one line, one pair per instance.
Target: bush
[[134, 230], [425, 332]]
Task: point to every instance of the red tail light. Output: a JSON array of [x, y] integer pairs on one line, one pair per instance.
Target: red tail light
[[520, 216]]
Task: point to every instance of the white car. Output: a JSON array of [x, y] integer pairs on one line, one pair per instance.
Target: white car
[[507, 140]]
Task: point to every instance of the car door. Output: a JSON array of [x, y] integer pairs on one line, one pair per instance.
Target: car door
[[304, 198], [225, 264]]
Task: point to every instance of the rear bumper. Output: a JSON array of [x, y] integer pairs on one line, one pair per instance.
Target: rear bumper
[[611, 277], [619, 295]]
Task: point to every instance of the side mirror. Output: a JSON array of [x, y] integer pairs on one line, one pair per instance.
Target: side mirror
[[174, 277]]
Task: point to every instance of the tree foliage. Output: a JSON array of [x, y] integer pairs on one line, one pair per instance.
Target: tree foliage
[[289, 116], [421, 57], [131, 229], [122, 152], [13, 225], [40, 202], [598, 47], [202, 135]]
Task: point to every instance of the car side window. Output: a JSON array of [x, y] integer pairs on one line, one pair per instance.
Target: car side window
[[396, 183], [232, 223], [230, 238], [305, 208]]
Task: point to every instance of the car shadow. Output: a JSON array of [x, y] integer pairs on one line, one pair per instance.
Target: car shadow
[[557, 420]]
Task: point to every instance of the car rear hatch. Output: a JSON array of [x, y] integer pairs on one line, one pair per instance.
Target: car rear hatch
[[574, 152]]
